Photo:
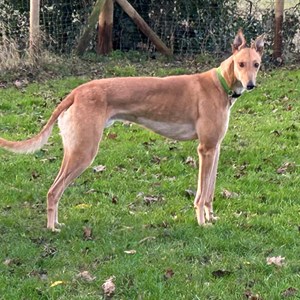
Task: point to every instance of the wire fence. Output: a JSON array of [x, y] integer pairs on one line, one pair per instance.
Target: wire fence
[[186, 26]]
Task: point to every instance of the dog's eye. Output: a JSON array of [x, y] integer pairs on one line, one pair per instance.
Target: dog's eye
[[256, 65], [242, 65]]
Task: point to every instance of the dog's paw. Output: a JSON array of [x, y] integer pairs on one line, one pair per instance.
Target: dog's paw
[[207, 224]]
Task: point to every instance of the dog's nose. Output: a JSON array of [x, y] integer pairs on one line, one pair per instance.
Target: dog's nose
[[250, 86]]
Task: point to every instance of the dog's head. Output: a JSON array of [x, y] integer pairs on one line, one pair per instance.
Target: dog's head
[[246, 61]]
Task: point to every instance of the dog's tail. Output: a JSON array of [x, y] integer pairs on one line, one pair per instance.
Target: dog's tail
[[38, 141]]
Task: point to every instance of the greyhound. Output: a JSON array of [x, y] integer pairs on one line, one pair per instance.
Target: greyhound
[[183, 107]]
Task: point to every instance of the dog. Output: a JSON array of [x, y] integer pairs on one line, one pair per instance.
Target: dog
[[183, 107]]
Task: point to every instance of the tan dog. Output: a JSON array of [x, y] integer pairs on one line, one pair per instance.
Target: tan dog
[[179, 107]]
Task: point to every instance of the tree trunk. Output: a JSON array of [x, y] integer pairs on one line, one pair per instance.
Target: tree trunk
[[277, 49], [34, 29], [104, 45], [89, 28], [142, 25]]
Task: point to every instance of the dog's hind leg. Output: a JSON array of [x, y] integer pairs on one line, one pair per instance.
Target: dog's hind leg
[[81, 139]]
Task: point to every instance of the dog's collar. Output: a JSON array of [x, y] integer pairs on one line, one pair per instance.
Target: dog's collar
[[223, 82]]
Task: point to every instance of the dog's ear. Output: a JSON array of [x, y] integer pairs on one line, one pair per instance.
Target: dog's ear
[[239, 42], [258, 44]]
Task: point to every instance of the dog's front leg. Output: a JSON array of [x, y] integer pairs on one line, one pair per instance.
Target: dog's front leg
[[207, 156], [209, 214]]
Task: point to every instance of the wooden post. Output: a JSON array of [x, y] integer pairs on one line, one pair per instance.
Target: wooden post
[[142, 25], [88, 30], [277, 49], [104, 45], [34, 29]]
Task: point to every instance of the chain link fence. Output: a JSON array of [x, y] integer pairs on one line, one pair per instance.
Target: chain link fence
[[186, 26]]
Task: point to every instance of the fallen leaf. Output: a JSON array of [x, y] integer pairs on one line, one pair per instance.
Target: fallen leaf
[[276, 132], [99, 169], [249, 295], [289, 107], [229, 195], [276, 260], [55, 283], [156, 160], [87, 233], [221, 273], [290, 292], [112, 136], [41, 274], [190, 193], [85, 275], [83, 205], [114, 200], [20, 83], [169, 274], [91, 191], [49, 251], [146, 239], [286, 167], [152, 199], [191, 162], [109, 287], [35, 175], [130, 251], [12, 261], [50, 159]]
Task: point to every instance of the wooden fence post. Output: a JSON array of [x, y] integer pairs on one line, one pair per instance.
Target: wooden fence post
[[89, 28], [143, 26], [104, 45], [277, 48], [34, 29]]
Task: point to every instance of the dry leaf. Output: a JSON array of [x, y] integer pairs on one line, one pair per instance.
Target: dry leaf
[[229, 195], [41, 274], [190, 193], [109, 287], [169, 274], [91, 191], [249, 295], [83, 205], [152, 199], [20, 83], [286, 167], [112, 136], [276, 260], [35, 175], [221, 273], [87, 233], [114, 200], [130, 251], [190, 161], [85, 275], [12, 261], [290, 292], [59, 282], [146, 239], [99, 169], [276, 132]]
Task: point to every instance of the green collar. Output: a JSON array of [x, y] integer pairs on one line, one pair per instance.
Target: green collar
[[223, 82]]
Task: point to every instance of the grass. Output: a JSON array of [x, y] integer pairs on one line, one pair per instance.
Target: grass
[[173, 257]]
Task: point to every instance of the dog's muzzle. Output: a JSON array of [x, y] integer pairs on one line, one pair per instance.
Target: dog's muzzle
[[250, 86]]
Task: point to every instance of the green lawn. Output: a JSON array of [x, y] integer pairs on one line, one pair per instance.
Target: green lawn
[[257, 199]]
